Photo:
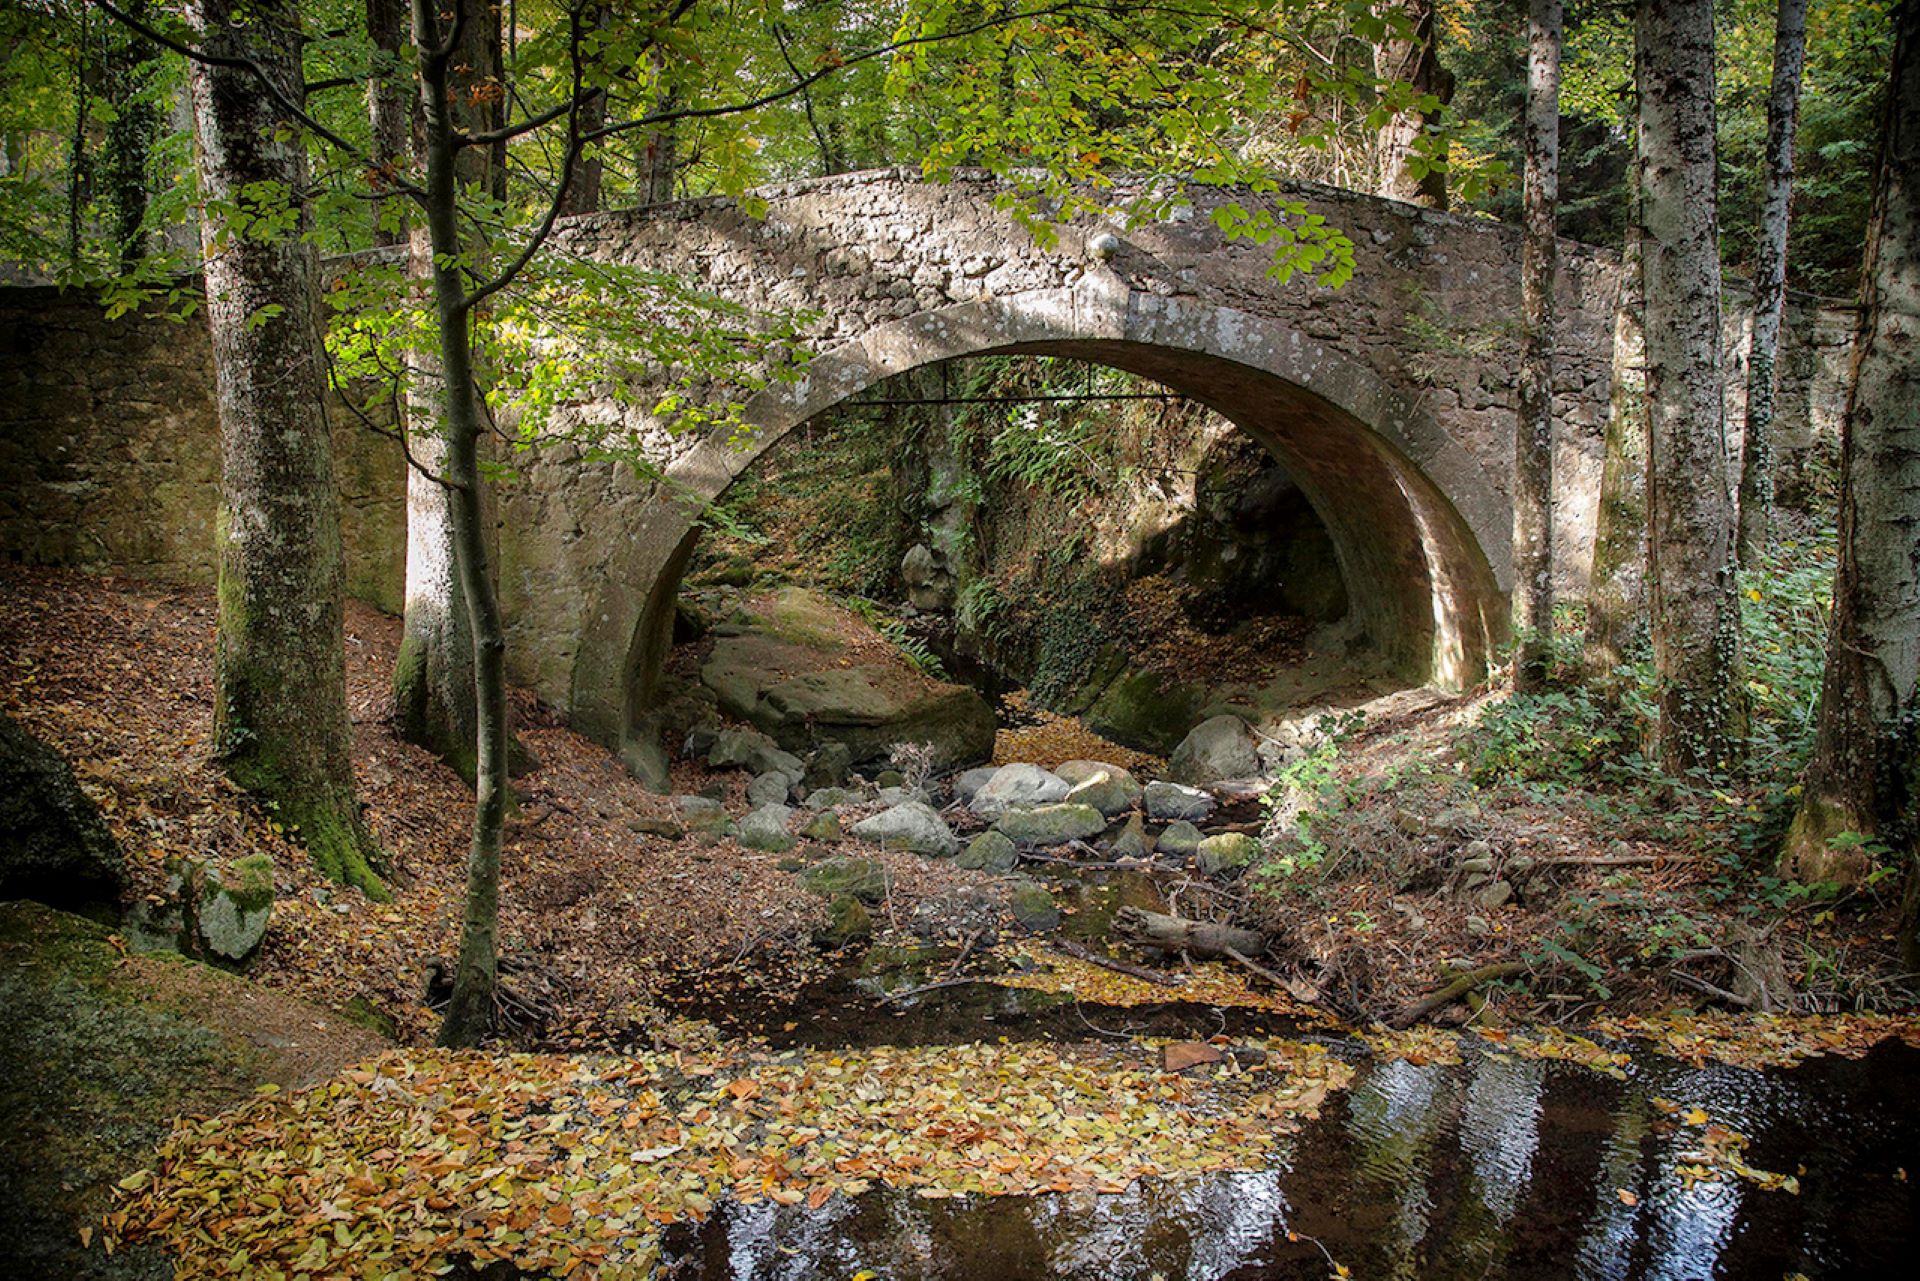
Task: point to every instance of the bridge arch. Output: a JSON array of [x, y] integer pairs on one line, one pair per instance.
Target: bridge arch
[[1421, 535]]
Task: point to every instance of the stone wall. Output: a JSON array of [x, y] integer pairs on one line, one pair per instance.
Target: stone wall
[[110, 450]]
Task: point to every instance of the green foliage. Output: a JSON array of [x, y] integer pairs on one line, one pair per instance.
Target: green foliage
[[911, 647]]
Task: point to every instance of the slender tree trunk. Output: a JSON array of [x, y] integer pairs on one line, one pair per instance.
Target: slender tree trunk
[[1866, 759], [583, 191], [1616, 589], [1533, 435], [433, 680], [445, 86], [79, 176], [1695, 617], [1770, 280], [280, 709], [131, 64], [388, 109], [1414, 60]]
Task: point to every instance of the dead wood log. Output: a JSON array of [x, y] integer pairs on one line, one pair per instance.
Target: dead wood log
[[1457, 987], [1177, 934]]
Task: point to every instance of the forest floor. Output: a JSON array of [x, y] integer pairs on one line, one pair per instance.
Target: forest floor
[[1415, 873]]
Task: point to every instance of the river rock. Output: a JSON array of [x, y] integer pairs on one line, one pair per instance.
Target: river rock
[[1133, 841], [912, 825], [768, 789], [831, 798], [1017, 785], [823, 826], [1217, 854], [692, 807], [862, 878], [665, 828], [968, 783], [1180, 839], [1217, 748], [235, 905], [54, 846], [828, 765], [737, 746], [901, 795], [766, 829], [1051, 824], [1107, 788], [989, 852], [1497, 894], [1169, 801], [1033, 907]]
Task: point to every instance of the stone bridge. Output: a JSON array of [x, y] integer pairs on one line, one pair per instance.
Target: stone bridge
[[1390, 400]]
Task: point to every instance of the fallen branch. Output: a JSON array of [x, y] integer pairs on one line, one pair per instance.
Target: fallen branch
[[1177, 934], [1091, 957], [1459, 986], [1305, 993]]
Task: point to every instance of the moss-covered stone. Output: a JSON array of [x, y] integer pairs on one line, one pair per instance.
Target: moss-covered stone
[[1045, 825], [1229, 850], [1179, 839], [824, 826], [989, 852], [862, 878], [1033, 907], [1147, 710], [848, 921], [235, 906]]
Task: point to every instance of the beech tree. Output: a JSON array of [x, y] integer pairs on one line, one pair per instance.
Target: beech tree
[[1770, 279], [1694, 615], [280, 708], [1533, 427], [1862, 780]]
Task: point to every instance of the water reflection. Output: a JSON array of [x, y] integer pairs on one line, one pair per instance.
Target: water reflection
[[1494, 1168]]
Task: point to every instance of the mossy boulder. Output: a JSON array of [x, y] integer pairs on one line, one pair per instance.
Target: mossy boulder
[[1107, 788], [1179, 839], [1033, 907], [54, 846], [1225, 852], [1045, 825], [824, 826], [235, 905], [848, 921], [989, 852], [766, 829], [861, 878]]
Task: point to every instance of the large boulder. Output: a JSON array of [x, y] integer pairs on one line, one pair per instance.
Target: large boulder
[[1225, 852], [1179, 840], [989, 852], [1015, 786], [1045, 825], [912, 825], [967, 783], [54, 846], [861, 878], [766, 829], [1217, 748], [808, 672], [1145, 709]]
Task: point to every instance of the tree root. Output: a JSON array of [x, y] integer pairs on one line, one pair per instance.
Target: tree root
[[1457, 987]]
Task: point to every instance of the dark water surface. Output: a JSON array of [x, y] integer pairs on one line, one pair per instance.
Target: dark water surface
[[1493, 1168]]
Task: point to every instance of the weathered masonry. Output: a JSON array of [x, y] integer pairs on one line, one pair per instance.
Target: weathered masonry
[[1390, 401]]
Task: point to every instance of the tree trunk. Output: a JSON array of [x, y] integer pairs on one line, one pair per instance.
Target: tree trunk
[[1616, 588], [433, 678], [1533, 436], [447, 80], [280, 709], [1770, 280], [1866, 758], [388, 109], [1178, 934], [1414, 61], [1695, 619], [132, 63]]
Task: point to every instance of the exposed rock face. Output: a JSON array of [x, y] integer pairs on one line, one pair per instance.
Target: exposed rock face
[[54, 846], [1167, 801], [1217, 748], [912, 825], [1014, 786], [796, 673], [1045, 825]]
